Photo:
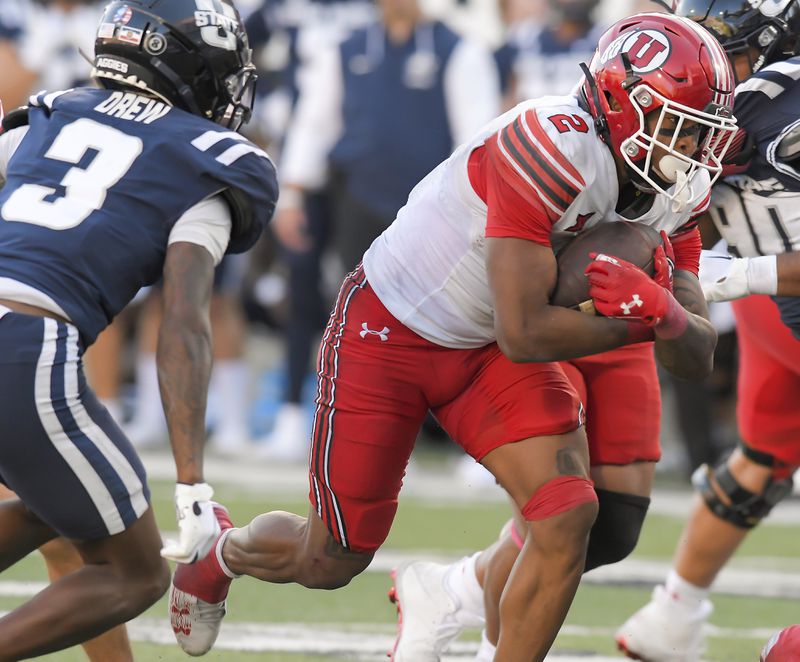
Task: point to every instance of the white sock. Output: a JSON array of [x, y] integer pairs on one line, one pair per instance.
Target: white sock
[[684, 593], [148, 408], [230, 386], [463, 583], [486, 650], [218, 551]]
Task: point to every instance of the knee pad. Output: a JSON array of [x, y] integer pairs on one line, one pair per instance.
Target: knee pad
[[558, 496], [616, 530], [745, 508]]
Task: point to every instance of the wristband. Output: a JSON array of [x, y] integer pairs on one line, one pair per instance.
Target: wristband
[[674, 323], [762, 275]]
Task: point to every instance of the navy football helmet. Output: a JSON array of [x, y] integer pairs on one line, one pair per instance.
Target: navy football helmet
[[193, 54], [772, 27]]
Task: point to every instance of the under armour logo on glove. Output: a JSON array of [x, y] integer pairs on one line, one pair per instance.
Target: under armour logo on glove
[[621, 289], [383, 334], [627, 307]]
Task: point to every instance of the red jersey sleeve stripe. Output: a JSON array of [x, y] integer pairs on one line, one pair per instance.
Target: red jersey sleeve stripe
[[536, 155], [530, 123], [526, 157], [515, 176], [700, 208], [524, 181]]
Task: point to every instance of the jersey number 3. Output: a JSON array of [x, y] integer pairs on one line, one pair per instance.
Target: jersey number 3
[[83, 188]]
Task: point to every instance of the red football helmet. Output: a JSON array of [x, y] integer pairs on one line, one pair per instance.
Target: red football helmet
[[783, 647], [659, 63]]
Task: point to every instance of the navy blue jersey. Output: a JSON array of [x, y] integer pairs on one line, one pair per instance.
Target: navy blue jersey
[[766, 105], [757, 213], [96, 185]]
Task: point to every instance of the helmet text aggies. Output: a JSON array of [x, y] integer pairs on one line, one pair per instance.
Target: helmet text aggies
[[193, 54], [667, 67]]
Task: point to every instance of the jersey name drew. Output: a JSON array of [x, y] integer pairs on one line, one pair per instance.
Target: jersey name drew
[[428, 268], [130, 106]]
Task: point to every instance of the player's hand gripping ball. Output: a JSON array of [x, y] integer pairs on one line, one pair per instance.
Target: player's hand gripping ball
[[631, 242]]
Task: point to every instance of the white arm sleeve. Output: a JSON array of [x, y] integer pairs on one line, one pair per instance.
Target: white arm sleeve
[[471, 90], [207, 224], [317, 123], [9, 142]]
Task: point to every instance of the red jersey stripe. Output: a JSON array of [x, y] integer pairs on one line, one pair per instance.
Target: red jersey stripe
[[530, 122]]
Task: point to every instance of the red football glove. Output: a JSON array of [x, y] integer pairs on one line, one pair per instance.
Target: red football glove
[[623, 291]]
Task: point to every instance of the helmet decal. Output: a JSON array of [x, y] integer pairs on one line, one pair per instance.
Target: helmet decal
[[647, 50], [218, 23], [155, 44], [123, 15]]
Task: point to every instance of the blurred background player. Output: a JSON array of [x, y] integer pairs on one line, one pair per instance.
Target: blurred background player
[[540, 53], [286, 37], [457, 286], [375, 114], [757, 214]]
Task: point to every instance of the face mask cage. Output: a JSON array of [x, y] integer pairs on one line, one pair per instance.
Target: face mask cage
[[657, 161], [240, 89]]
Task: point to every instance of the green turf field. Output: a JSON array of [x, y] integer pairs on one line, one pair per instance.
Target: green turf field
[[743, 622]]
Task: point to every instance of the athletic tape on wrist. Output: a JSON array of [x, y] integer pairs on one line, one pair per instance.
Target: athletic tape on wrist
[[762, 275]]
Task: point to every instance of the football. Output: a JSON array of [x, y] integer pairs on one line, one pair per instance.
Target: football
[[783, 647], [633, 242]]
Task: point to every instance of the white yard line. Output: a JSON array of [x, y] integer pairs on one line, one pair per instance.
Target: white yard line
[[734, 580]]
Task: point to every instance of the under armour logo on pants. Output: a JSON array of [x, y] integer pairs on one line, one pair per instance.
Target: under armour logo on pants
[[383, 334]]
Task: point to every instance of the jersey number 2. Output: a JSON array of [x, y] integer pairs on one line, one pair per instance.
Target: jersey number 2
[[83, 188], [566, 123]]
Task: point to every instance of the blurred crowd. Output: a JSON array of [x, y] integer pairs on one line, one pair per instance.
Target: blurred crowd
[[357, 101]]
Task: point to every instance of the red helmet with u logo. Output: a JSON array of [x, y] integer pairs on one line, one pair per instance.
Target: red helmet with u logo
[[660, 63]]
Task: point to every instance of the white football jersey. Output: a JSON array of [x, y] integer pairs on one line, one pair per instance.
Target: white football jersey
[[756, 217], [429, 267]]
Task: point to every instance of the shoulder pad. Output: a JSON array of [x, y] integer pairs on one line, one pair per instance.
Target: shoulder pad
[[15, 119]]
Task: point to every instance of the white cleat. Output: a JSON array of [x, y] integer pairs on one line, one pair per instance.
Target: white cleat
[[664, 630], [196, 623], [427, 612]]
